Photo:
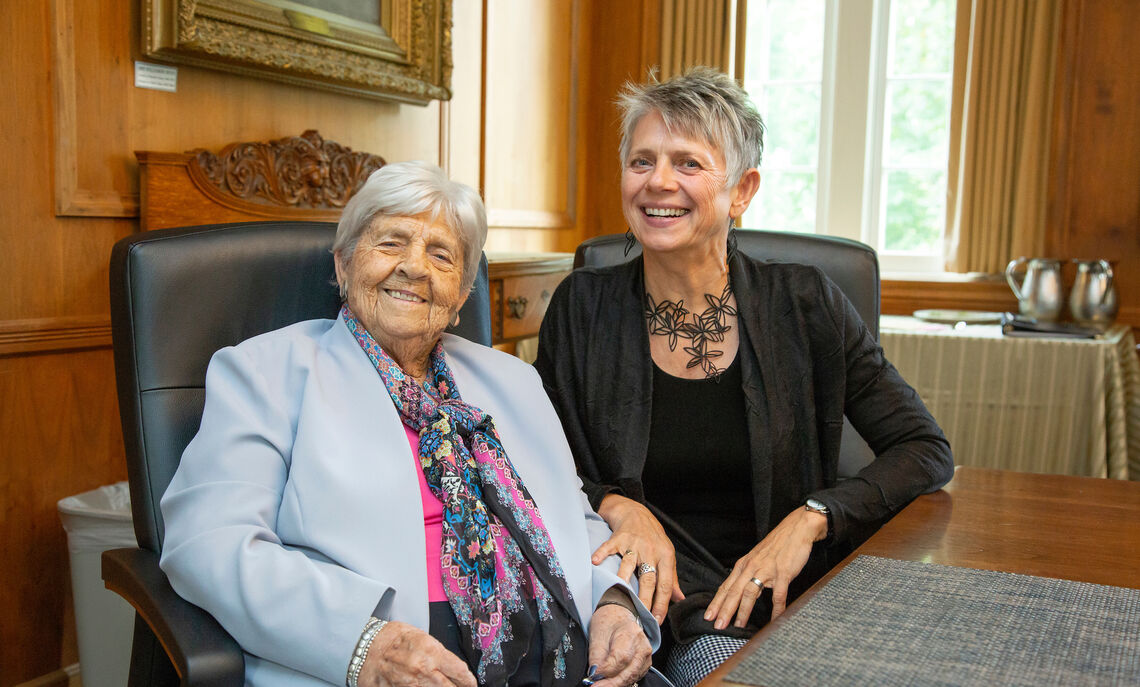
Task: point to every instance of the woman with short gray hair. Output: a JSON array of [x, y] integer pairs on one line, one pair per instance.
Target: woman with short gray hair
[[703, 391], [703, 104], [372, 501]]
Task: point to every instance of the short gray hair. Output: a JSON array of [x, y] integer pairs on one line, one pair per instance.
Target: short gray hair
[[701, 103], [409, 189]]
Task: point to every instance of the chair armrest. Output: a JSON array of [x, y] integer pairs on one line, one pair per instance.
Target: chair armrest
[[201, 651]]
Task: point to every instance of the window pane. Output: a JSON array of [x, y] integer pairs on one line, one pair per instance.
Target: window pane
[[792, 122], [785, 202], [915, 210], [796, 38], [783, 71], [921, 43], [912, 178], [916, 111]]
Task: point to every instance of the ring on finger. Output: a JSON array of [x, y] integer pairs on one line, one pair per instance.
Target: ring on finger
[[645, 569], [629, 552], [756, 581]]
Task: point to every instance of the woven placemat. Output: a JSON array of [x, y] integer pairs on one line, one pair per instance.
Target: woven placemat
[[886, 622]]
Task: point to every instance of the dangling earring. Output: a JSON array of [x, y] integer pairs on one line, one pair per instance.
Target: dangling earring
[[455, 320], [343, 290], [731, 241], [630, 241]]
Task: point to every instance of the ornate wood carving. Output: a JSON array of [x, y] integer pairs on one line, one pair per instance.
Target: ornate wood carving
[[303, 171], [298, 177]]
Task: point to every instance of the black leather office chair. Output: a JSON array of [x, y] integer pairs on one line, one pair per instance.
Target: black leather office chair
[[177, 296], [853, 266]]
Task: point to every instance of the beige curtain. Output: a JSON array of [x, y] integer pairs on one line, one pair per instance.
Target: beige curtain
[[1004, 60], [696, 32]]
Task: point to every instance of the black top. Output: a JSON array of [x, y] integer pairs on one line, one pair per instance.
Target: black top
[[697, 468], [806, 359]]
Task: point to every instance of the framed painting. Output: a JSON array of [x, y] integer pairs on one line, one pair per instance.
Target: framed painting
[[387, 49]]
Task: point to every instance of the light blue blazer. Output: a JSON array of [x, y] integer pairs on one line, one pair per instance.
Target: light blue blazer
[[296, 511]]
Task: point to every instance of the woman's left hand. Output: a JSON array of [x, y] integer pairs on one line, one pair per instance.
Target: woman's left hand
[[618, 647], [775, 561]]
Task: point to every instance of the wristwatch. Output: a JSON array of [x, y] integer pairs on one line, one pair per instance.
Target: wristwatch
[[817, 507], [820, 507]]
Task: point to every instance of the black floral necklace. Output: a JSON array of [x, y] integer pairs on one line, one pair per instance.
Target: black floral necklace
[[672, 320]]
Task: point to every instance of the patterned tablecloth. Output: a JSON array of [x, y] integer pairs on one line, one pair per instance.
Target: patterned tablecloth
[[1065, 406]]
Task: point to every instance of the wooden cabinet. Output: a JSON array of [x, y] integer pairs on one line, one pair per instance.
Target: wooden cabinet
[[521, 287]]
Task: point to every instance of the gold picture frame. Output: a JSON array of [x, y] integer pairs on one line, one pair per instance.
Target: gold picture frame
[[404, 56]]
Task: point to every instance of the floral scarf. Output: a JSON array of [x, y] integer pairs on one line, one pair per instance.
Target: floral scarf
[[500, 572]]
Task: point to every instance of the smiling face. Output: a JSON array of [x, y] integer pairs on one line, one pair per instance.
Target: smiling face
[[404, 284], [674, 190]]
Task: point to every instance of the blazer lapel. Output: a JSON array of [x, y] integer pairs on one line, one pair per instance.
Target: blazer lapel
[[630, 372], [757, 369], [362, 431]]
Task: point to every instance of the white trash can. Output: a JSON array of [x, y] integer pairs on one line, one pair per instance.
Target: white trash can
[[95, 521]]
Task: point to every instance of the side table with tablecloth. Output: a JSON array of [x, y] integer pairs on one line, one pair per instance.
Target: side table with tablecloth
[[1047, 405]]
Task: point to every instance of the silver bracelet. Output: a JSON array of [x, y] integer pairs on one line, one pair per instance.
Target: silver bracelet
[[373, 626], [632, 611]]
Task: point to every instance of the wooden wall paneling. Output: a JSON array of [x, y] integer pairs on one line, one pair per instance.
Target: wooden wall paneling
[[72, 195], [903, 297], [1095, 209], [212, 109], [99, 113], [530, 125], [59, 436], [609, 43], [50, 277], [463, 123], [1064, 77], [623, 44]]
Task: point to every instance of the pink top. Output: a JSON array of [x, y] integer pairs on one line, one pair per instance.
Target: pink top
[[433, 523]]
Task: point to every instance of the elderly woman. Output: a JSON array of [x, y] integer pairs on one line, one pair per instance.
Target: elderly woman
[[712, 387], [371, 501]]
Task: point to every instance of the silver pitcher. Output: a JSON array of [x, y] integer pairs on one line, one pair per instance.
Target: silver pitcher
[[1092, 302], [1039, 293]]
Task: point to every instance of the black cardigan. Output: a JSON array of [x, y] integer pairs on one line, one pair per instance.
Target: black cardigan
[[807, 359]]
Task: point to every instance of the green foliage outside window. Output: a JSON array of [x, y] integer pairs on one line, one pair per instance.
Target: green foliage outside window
[[784, 74], [916, 131]]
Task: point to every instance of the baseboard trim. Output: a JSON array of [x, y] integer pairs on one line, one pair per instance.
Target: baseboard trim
[[64, 677]]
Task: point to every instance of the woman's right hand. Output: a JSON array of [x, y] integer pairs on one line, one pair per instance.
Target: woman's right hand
[[404, 655], [639, 538]]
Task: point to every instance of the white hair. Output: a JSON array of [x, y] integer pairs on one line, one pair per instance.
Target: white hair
[[409, 189]]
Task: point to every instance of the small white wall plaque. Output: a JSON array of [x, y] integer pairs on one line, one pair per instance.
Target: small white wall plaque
[[158, 77]]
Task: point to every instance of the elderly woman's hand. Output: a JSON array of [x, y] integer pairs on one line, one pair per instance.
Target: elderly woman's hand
[[775, 562], [618, 647], [639, 538], [402, 654]]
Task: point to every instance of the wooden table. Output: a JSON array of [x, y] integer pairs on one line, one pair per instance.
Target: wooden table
[[1073, 528]]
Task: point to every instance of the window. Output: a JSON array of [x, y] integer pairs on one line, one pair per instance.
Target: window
[[856, 98]]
